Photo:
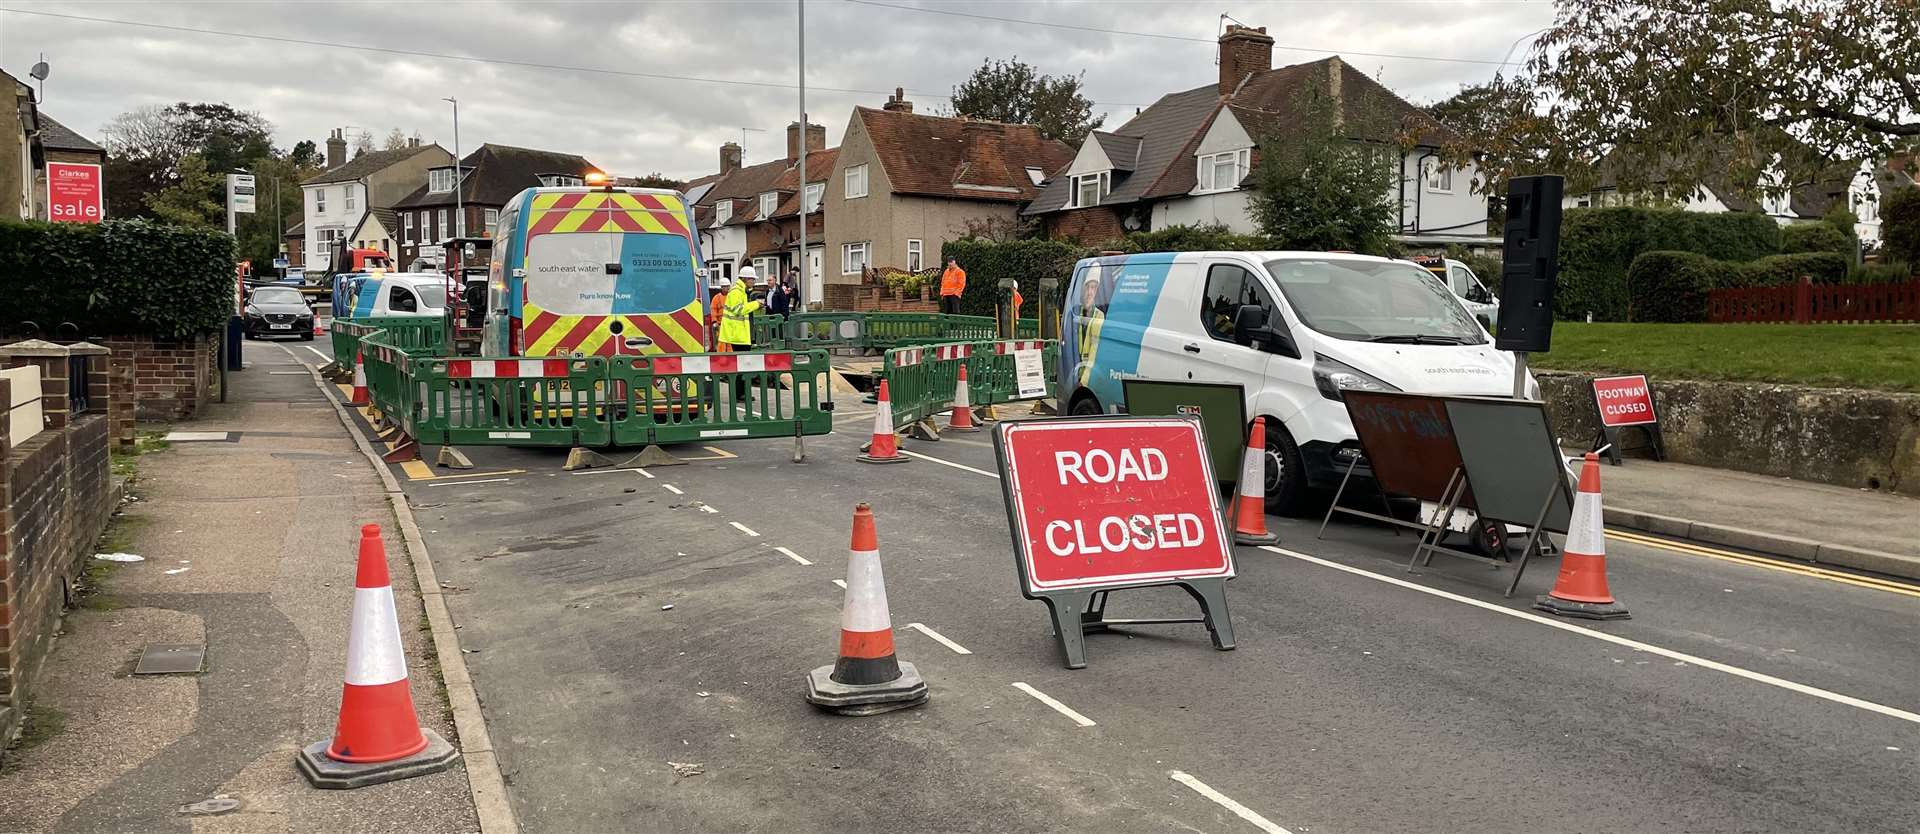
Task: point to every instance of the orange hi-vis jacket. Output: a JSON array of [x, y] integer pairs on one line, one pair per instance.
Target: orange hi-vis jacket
[[953, 281]]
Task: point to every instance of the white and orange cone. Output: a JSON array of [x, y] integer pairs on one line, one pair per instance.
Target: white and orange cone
[[1250, 514], [378, 737], [866, 678], [1581, 588], [962, 417], [885, 447], [360, 395]]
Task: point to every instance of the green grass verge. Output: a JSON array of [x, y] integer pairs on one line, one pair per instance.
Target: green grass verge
[[1883, 357]]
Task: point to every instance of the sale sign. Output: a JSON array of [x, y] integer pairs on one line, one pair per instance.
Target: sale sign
[[1624, 400], [1111, 502], [74, 193]]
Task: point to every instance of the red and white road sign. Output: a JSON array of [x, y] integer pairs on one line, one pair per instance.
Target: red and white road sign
[[73, 193], [1113, 502], [1624, 400]]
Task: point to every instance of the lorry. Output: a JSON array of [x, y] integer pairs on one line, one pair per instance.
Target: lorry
[[343, 260]]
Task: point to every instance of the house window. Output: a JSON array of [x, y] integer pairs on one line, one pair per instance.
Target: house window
[[320, 200], [1866, 208], [853, 258], [768, 202], [492, 219], [768, 268], [442, 223], [813, 196], [440, 180], [856, 185], [914, 248], [1089, 188], [719, 272], [1439, 178], [722, 212], [1036, 175], [1223, 171], [406, 235], [348, 191]]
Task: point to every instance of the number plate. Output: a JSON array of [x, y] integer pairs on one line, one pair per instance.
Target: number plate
[[279, 327]]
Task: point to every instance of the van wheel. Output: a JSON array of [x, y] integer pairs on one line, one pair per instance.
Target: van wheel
[[1286, 481], [1085, 407]]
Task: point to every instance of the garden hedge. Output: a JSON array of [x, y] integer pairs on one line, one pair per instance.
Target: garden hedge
[[1815, 237], [1598, 245], [116, 278], [1027, 261], [1774, 270], [1667, 286]]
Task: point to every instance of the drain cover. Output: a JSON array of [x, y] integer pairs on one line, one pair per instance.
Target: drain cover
[[171, 659], [209, 807], [200, 436]]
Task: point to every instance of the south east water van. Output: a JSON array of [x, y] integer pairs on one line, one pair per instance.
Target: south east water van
[[1293, 329]]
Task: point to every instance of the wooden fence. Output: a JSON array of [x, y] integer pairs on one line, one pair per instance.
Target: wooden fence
[[1807, 303]]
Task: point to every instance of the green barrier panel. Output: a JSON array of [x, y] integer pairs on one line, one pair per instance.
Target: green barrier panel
[[806, 331], [890, 330], [678, 399], [511, 401], [769, 332], [417, 335], [1026, 329], [387, 379], [347, 334]]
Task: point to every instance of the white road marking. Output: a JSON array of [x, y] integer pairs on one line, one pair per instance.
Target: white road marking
[[1891, 712], [611, 471], [671, 488], [792, 555], [316, 352], [1058, 707], [939, 638], [1227, 802], [744, 529], [950, 463], [644, 473], [841, 582], [463, 483], [708, 508]]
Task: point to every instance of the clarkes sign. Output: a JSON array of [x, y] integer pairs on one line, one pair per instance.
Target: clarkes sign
[[74, 193]]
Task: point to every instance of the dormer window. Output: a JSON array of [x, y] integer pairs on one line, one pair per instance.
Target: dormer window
[[1089, 188], [561, 180], [768, 202], [1223, 171], [440, 180], [722, 212], [1036, 175]]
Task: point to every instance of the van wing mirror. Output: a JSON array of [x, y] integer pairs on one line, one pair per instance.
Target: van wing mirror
[[1479, 294], [1248, 321]]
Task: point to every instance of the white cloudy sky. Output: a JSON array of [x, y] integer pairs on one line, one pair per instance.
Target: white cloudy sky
[[631, 124]]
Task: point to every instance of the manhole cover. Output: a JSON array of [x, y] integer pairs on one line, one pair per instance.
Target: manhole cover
[[171, 659], [200, 436], [209, 807]]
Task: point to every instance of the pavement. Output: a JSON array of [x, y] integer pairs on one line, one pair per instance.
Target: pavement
[[639, 639], [249, 548]]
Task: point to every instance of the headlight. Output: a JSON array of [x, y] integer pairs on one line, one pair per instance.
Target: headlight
[[1332, 376]]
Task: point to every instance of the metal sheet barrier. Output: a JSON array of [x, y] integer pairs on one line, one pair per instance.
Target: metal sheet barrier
[[677, 399]]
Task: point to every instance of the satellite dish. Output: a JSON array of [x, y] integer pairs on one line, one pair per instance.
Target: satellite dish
[[39, 71]]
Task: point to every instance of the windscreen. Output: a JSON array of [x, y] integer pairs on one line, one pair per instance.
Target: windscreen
[[609, 273], [431, 295], [1374, 301], [270, 295]]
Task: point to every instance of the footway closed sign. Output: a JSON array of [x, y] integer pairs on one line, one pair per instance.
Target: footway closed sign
[[1111, 502]]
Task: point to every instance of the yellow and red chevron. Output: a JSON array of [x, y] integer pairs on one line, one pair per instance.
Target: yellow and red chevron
[[548, 334], [606, 211]]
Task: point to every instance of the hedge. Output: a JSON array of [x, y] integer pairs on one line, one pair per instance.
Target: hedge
[[1667, 286], [1188, 238], [1774, 270], [1027, 261], [116, 278], [1815, 237], [1598, 245]]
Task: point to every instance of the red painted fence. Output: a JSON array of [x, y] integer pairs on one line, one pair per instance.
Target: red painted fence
[[1807, 302]]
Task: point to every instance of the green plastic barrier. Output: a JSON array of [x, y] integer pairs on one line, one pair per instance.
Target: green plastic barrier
[[705, 397], [347, 335], [417, 335], [922, 379], [510, 401]]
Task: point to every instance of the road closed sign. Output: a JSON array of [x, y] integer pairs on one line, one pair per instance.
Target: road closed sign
[[1111, 502], [1623, 400]]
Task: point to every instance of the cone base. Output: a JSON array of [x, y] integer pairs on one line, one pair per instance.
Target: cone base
[[908, 690], [897, 458], [1254, 538], [324, 772], [1551, 604], [952, 427]]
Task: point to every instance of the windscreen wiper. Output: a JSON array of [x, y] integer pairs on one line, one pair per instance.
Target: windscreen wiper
[[1418, 339]]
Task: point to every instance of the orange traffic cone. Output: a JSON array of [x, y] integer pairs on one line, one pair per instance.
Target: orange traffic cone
[[867, 678], [962, 418], [318, 329], [1250, 515], [885, 447], [360, 395], [1581, 589], [378, 739]]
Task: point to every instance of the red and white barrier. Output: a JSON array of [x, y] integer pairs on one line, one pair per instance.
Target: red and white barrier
[[723, 363], [506, 368]]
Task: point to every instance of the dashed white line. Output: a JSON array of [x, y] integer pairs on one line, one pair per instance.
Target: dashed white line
[[744, 529], [644, 473], [708, 508], [950, 463], [792, 555], [1227, 802], [671, 488], [1058, 707], [1891, 712], [611, 471], [463, 483], [939, 638], [841, 582], [316, 352]]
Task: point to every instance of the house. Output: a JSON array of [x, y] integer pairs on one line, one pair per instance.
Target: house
[[905, 183], [293, 242], [59, 143], [337, 199], [1188, 159], [751, 214], [19, 125], [490, 176], [376, 230]]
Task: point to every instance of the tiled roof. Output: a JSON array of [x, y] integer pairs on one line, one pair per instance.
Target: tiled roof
[[1163, 130], [948, 157], [819, 169], [296, 229], [55, 136], [367, 163], [1122, 151], [495, 173]]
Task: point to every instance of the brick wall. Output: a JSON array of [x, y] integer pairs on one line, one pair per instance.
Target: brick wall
[[164, 379], [1091, 226], [882, 300]]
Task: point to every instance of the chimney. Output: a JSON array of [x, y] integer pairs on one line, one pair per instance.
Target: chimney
[[413, 141], [337, 148], [898, 103], [816, 140], [729, 158], [1243, 51]]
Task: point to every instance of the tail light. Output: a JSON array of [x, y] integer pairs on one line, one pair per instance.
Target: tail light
[[513, 336]]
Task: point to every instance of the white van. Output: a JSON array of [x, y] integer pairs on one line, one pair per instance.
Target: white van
[[1292, 328], [396, 294]]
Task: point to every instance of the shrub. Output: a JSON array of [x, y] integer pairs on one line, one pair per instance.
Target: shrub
[[909, 283], [119, 277], [1880, 273], [1900, 225], [1213, 238], [1666, 286], [1815, 237], [1026, 261], [1597, 246], [1776, 270]]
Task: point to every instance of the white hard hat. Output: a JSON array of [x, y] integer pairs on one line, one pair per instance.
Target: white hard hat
[[747, 273]]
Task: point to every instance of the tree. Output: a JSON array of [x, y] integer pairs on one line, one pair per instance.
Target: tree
[[658, 180], [1498, 128], [145, 146], [1013, 91], [190, 201], [1900, 225], [361, 142], [1680, 93], [1315, 188], [306, 155]]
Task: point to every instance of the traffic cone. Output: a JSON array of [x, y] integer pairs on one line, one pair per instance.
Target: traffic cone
[[318, 329], [360, 395], [885, 447], [378, 738], [866, 679], [1250, 515], [962, 418], [1581, 589]]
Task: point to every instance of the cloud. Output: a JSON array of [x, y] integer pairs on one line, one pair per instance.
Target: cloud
[[856, 55]]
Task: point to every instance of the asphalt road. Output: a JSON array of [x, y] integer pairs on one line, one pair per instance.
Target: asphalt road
[[1740, 697]]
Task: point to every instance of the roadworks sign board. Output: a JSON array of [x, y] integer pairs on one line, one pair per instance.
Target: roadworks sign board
[[1624, 400], [1098, 504]]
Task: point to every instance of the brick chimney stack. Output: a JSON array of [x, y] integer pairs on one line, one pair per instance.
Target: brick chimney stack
[[729, 158], [1243, 51], [337, 148], [898, 103], [816, 139]]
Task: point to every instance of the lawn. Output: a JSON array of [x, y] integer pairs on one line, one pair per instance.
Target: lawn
[[1879, 356]]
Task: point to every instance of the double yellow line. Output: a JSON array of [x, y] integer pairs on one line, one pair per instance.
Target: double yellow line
[[1692, 549]]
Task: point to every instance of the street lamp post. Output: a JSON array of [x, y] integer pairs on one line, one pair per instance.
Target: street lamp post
[[459, 204], [806, 273]]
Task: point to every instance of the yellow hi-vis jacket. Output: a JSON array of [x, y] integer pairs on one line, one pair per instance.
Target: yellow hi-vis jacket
[[734, 329]]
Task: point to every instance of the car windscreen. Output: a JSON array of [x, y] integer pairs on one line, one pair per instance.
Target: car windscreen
[[1385, 301], [431, 295], [277, 297], [609, 273]]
